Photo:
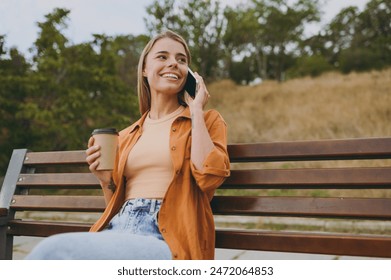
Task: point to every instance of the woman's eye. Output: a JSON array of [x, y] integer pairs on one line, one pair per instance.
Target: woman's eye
[[162, 57], [182, 60]]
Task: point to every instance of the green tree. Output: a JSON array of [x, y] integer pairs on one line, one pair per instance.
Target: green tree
[[199, 22], [75, 88], [341, 32], [241, 42], [356, 40], [270, 32], [14, 86], [374, 33]]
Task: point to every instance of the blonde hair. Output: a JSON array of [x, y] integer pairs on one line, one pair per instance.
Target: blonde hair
[[143, 90]]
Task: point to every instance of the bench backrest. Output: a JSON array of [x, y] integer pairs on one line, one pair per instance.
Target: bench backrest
[[264, 181]]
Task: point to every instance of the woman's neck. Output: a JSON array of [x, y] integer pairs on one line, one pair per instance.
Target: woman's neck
[[162, 106]]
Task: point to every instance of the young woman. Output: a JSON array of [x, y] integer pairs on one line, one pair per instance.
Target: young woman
[[169, 164]]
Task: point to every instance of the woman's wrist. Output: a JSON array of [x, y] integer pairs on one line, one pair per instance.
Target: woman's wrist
[[110, 185]]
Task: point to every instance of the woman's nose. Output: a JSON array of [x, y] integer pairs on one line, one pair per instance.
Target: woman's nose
[[172, 62]]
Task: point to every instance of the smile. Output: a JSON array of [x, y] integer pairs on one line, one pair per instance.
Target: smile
[[170, 75]]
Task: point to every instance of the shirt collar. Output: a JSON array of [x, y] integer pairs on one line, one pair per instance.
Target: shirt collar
[[138, 124]]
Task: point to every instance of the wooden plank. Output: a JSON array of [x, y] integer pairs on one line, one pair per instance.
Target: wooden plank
[[44, 229], [347, 208], [311, 243], [341, 244], [74, 180], [56, 157], [376, 177], [366, 148], [348, 245], [58, 203]]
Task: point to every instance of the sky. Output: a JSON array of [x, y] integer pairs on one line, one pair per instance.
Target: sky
[[18, 18]]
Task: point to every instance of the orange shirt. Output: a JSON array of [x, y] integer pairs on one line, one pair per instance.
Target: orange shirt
[[185, 217]]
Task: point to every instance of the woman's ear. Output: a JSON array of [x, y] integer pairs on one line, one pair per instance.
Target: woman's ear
[[144, 73]]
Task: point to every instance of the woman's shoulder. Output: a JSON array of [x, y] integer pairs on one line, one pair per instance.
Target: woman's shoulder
[[213, 115], [133, 127]]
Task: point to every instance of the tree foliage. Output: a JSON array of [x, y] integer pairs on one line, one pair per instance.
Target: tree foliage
[[68, 90], [54, 100], [356, 40]]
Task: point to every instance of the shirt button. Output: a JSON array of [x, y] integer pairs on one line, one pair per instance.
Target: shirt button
[[173, 148], [163, 230], [173, 129], [177, 172], [175, 255]]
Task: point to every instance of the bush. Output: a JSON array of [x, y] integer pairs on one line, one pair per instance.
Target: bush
[[360, 60], [310, 66]]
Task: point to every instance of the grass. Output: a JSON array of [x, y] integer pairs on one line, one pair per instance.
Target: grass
[[331, 106]]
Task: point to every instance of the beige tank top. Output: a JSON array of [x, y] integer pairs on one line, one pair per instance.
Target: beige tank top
[[149, 169]]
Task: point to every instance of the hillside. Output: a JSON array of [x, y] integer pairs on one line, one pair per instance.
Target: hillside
[[330, 106]]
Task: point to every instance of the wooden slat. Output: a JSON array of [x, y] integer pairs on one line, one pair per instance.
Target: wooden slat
[[43, 229], [354, 208], [367, 148], [370, 148], [334, 244], [60, 157], [370, 246], [58, 203], [310, 178], [74, 180]]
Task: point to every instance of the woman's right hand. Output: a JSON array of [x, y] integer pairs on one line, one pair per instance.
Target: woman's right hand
[[93, 154]]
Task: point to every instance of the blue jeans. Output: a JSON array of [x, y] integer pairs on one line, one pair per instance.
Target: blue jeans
[[132, 234]]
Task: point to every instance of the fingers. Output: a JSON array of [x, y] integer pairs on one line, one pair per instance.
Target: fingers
[[202, 92], [188, 99], [93, 153], [93, 166], [91, 142]]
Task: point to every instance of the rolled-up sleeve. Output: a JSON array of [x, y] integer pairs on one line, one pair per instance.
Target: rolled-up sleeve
[[216, 166]]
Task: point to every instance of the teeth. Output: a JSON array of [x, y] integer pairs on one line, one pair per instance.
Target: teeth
[[169, 75]]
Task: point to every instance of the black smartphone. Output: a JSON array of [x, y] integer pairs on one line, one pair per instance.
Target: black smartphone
[[191, 84]]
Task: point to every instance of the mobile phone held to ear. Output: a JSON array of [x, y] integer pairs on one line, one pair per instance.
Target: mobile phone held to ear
[[191, 84]]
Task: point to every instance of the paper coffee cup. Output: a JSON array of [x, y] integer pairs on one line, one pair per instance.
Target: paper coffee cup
[[107, 139]]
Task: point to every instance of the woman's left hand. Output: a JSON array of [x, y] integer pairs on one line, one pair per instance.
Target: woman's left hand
[[202, 95]]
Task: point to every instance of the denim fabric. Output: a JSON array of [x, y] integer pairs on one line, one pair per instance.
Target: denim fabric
[[132, 234], [138, 216]]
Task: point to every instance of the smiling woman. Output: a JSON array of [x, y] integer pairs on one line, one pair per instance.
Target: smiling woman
[[164, 72], [168, 166]]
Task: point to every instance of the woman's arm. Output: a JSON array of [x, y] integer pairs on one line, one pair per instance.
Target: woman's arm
[[201, 142]]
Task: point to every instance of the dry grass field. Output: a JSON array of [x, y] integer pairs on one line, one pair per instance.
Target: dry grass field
[[332, 106]]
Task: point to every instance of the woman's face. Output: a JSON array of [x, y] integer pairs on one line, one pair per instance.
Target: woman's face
[[166, 67]]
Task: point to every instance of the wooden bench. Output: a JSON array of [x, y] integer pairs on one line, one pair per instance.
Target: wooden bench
[[263, 184]]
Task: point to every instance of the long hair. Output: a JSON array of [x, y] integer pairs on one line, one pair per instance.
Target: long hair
[[143, 89]]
